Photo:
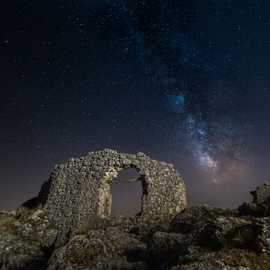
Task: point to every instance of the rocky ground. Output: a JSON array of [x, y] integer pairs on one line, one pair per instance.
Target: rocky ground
[[200, 237]]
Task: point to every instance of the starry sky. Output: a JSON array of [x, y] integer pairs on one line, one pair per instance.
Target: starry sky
[[185, 81]]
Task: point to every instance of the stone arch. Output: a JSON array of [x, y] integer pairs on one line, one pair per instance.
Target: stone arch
[[105, 197], [79, 193]]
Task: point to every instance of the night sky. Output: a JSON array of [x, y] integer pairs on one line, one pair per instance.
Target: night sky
[[185, 81]]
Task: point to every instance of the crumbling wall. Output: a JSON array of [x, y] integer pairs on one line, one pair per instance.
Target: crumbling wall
[[80, 188]]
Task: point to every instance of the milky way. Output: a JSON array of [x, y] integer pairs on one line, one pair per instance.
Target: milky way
[[184, 81]]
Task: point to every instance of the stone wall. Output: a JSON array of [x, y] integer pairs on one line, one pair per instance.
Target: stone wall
[[80, 189]]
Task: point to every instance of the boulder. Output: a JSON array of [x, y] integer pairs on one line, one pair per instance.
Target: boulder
[[165, 249], [191, 218], [26, 239], [227, 259], [100, 249], [259, 205], [207, 226]]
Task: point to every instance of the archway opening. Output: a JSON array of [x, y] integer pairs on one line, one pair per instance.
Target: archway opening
[[127, 193]]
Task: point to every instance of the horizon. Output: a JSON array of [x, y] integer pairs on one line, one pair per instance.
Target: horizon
[[186, 82]]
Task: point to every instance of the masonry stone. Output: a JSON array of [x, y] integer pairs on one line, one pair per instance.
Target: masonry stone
[[80, 189]]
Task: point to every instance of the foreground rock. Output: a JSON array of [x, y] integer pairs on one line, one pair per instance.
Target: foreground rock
[[199, 237], [260, 203], [196, 238], [100, 249], [26, 239]]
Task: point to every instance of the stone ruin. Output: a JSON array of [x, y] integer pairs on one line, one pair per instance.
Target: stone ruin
[[79, 191]]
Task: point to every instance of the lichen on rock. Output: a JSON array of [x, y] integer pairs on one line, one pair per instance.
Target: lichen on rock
[[26, 237], [99, 249]]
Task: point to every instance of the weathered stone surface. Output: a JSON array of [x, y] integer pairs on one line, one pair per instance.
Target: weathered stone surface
[[145, 232], [227, 259], [100, 249], [165, 248], [256, 235], [191, 218], [80, 189], [260, 203], [213, 228], [26, 237]]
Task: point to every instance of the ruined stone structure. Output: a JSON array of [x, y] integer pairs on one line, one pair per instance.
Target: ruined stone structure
[[70, 225], [80, 190]]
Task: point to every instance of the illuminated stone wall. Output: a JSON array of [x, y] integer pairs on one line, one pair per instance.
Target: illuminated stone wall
[[80, 189]]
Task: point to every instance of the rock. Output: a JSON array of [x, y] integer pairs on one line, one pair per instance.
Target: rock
[[210, 227], [259, 205], [227, 259], [100, 249], [221, 232], [145, 232], [191, 218], [165, 248], [257, 235], [25, 239]]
